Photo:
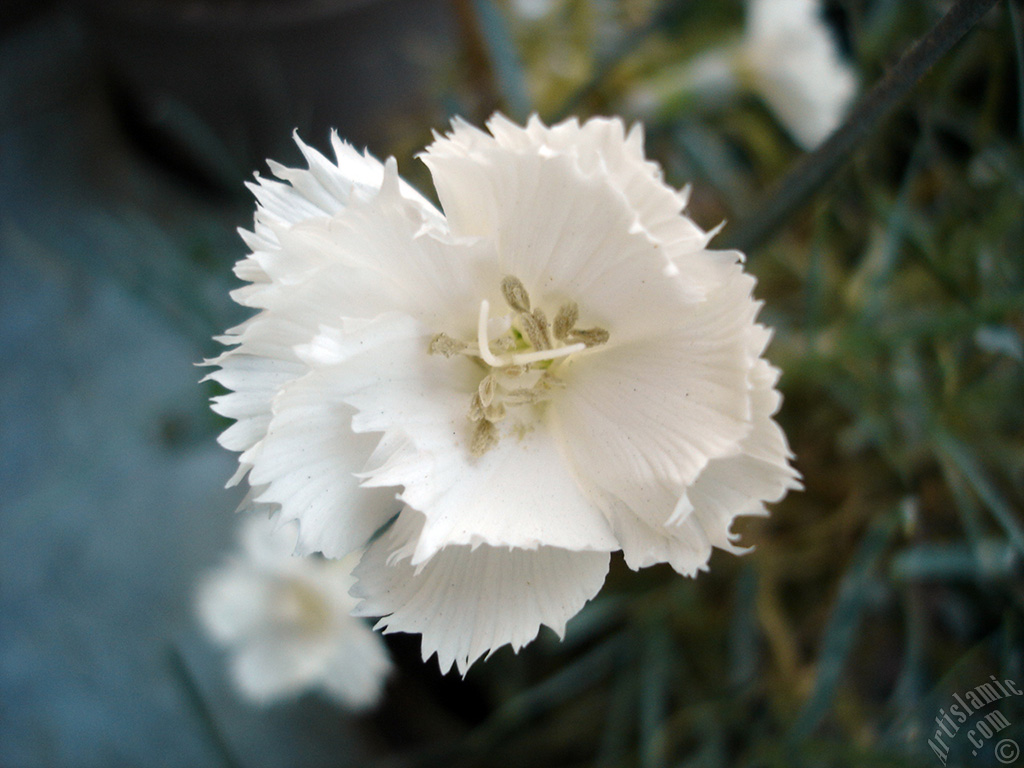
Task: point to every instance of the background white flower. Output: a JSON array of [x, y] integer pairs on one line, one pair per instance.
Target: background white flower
[[286, 621], [787, 55], [555, 369]]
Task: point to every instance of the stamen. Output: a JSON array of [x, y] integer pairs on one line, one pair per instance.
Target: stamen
[[524, 397], [530, 332], [549, 382], [591, 337], [566, 319], [485, 437], [515, 294], [542, 323], [476, 408], [525, 358], [535, 329], [495, 412], [488, 387], [443, 344]]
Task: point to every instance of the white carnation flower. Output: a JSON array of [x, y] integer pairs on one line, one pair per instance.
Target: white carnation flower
[[287, 621], [787, 56], [554, 369], [792, 60]]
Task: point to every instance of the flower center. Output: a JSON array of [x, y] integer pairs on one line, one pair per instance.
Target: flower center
[[521, 362], [300, 609]]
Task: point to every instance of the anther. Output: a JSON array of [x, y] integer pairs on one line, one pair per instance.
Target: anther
[[443, 344], [476, 408], [485, 437], [566, 319], [591, 337], [523, 397], [515, 294], [495, 411], [535, 331], [486, 390], [549, 382], [542, 323]]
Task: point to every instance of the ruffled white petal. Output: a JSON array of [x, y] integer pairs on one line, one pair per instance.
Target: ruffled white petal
[[379, 254], [566, 235], [602, 145], [468, 602], [728, 487], [268, 545], [367, 256], [356, 678], [551, 227], [591, 176], [307, 464], [760, 472], [263, 361], [230, 603], [326, 187], [686, 546], [269, 668], [642, 420]]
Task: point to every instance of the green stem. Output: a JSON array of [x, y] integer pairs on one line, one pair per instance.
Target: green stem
[[814, 169]]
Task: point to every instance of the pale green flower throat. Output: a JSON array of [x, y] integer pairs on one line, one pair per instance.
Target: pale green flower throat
[[521, 364]]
